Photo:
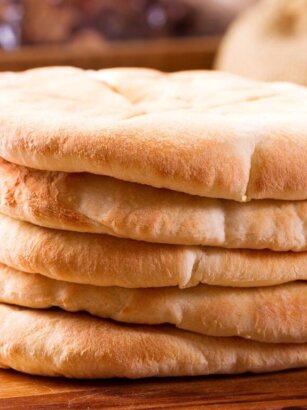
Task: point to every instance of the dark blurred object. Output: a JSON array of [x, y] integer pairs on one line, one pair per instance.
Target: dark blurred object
[[10, 24], [214, 16], [48, 21], [95, 21], [268, 42]]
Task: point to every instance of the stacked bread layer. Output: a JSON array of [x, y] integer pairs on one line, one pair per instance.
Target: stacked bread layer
[[177, 276]]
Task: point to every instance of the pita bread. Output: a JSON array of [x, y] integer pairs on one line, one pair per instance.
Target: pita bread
[[268, 42], [275, 314], [54, 343], [103, 260], [204, 133], [86, 202]]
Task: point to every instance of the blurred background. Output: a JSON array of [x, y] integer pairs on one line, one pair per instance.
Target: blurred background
[[164, 34], [265, 39]]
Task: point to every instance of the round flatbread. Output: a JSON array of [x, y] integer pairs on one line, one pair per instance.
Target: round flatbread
[[54, 343], [104, 260], [91, 203], [275, 314], [204, 133]]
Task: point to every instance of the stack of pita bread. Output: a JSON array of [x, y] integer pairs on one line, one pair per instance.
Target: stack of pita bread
[[151, 224]]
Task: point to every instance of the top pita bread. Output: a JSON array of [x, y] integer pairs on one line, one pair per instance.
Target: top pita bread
[[204, 133]]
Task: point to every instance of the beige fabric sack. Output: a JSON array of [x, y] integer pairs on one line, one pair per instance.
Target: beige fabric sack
[[268, 42]]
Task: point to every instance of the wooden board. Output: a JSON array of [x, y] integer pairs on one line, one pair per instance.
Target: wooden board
[[284, 391], [163, 54]]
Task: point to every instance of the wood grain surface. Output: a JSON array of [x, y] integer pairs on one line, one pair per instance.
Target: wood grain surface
[[284, 391], [169, 54]]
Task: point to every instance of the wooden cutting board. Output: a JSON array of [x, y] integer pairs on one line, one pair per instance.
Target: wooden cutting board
[[284, 391]]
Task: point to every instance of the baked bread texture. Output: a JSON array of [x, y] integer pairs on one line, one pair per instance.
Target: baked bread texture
[[104, 260], [118, 187], [55, 343], [275, 314], [205, 133], [90, 203]]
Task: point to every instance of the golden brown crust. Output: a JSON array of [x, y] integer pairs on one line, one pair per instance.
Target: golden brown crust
[[198, 132], [275, 314], [55, 343], [91, 203], [104, 260]]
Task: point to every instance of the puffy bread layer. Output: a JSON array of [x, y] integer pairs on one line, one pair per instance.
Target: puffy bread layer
[[204, 133], [103, 260], [55, 343], [275, 314], [97, 204]]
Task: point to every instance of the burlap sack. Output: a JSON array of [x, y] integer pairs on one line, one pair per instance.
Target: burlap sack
[[268, 42]]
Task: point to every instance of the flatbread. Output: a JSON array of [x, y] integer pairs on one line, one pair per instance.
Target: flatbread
[[104, 260], [90, 203], [275, 314], [205, 133], [268, 42], [54, 343]]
